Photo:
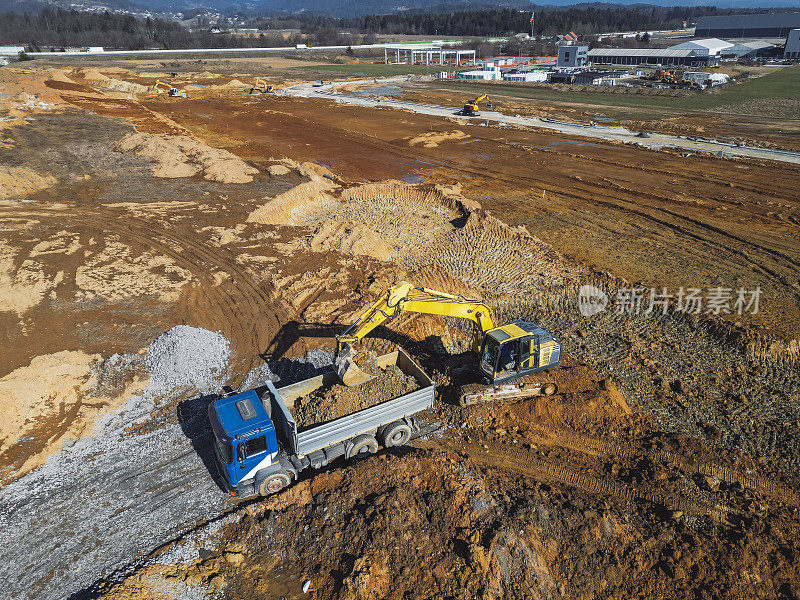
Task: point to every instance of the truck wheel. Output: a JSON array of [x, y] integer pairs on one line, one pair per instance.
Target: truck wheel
[[396, 434], [274, 483], [550, 389], [363, 445]]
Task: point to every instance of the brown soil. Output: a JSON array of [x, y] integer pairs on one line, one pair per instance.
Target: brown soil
[[332, 402], [667, 466]]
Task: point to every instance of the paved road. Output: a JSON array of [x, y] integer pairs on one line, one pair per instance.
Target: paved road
[[654, 141]]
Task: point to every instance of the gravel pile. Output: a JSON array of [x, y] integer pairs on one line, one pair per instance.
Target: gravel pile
[[187, 357]]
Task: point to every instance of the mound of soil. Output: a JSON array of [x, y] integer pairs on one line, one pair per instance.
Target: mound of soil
[[337, 401], [182, 156]]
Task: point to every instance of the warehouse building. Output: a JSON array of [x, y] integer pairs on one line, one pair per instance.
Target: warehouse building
[[712, 47], [667, 56], [792, 50], [769, 25]]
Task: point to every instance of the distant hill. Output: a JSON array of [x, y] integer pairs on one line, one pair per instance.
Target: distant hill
[[357, 8]]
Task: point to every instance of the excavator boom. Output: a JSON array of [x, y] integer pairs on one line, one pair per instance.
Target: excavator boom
[[405, 297]]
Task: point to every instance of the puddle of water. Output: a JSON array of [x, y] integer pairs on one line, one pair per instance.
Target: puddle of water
[[413, 178], [550, 145]]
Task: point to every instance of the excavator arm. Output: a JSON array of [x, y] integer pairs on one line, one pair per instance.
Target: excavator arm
[[405, 297]]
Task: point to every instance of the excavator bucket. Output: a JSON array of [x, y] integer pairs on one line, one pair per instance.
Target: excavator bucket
[[348, 371]]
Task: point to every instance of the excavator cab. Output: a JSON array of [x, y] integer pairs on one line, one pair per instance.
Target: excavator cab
[[516, 350]]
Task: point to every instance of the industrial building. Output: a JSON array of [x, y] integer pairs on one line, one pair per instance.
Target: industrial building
[[768, 25], [486, 74], [664, 57], [537, 75], [428, 54], [712, 47], [573, 56], [792, 50]]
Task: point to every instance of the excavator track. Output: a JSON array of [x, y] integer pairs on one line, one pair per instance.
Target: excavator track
[[519, 389]]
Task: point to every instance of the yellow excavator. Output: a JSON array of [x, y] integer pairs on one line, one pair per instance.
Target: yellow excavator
[[261, 87], [472, 107], [507, 356], [156, 89]]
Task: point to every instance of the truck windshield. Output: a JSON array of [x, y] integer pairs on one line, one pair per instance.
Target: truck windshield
[[489, 355], [224, 451]]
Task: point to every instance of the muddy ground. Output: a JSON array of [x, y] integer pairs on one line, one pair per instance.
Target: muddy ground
[[141, 274]]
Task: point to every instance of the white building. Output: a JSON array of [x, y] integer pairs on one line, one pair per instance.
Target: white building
[[792, 50], [488, 75], [706, 79], [536, 75], [11, 50], [749, 49], [712, 47], [573, 56]]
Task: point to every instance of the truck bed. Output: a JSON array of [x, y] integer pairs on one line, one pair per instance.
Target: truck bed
[[369, 419]]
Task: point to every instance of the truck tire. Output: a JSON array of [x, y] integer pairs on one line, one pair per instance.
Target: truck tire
[[274, 483], [396, 434], [362, 446]]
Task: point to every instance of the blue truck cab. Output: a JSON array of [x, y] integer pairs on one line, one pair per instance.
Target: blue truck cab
[[245, 441]]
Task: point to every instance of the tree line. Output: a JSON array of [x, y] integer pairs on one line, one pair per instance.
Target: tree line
[[56, 28], [548, 21]]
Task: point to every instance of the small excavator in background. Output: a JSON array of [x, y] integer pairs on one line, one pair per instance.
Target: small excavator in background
[[507, 356], [170, 90], [261, 87], [472, 107]]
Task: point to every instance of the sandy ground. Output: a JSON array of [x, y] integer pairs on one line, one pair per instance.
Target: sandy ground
[[185, 244]]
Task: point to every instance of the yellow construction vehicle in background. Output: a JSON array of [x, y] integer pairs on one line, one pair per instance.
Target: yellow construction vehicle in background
[[156, 89], [506, 355], [472, 107], [261, 87]]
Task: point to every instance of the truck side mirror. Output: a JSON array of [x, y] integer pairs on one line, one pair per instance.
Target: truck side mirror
[[240, 453]]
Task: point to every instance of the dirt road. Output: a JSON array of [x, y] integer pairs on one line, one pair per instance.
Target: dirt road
[[654, 141], [100, 504]]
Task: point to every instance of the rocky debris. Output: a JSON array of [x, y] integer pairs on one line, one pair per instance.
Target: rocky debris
[[338, 400]]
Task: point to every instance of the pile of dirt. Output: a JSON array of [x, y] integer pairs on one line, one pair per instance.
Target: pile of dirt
[[59, 75], [356, 239], [183, 156], [49, 402], [104, 82], [434, 138], [21, 181], [332, 402]]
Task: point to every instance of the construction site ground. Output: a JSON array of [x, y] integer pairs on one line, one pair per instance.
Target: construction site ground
[[154, 250]]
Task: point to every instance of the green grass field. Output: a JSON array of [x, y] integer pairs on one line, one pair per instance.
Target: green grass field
[[784, 83]]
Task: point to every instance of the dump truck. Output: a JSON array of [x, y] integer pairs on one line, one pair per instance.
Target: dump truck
[[261, 450]]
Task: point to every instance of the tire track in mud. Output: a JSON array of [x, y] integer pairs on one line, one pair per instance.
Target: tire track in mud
[[246, 312], [596, 447], [559, 471]]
